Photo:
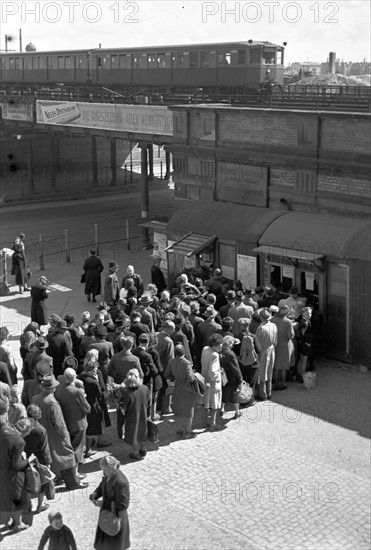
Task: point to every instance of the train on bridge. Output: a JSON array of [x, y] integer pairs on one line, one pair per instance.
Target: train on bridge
[[235, 64]]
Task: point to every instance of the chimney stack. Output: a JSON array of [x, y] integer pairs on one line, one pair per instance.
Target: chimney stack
[[332, 64]]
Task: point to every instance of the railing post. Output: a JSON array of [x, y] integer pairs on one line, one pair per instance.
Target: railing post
[[41, 253], [127, 231], [96, 239], [66, 246]]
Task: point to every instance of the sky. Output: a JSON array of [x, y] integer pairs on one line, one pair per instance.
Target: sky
[[311, 28]]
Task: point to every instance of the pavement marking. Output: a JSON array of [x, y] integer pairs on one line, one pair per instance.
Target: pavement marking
[[14, 295]]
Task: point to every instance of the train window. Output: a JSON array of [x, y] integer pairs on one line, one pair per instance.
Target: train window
[[205, 59], [161, 61], [151, 61], [68, 62], [193, 59], [224, 58], [60, 62], [279, 57], [135, 61], [241, 57], [27, 62], [99, 62], [125, 61], [5, 63], [11, 64], [142, 61], [52, 62], [255, 56], [105, 62], [269, 58], [114, 62], [42, 62], [17, 63]]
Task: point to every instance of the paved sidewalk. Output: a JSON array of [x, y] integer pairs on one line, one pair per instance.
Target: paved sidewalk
[[290, 474]]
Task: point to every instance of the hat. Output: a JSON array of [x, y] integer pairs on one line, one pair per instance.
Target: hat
[[112, 265], [103, 305], [294, 290], [121, 315], [210, 312], [145, 299], [61, 324], [71, 362], [43, 278], [264, 314], [4, 404], [49, 382], [54, 317], [85, 315], [259, 290], [231, 295], [70, 317], [274, 309], [100, 331], [41, 343], [44, 368], [249, 292], [184, 308], [54, 515]]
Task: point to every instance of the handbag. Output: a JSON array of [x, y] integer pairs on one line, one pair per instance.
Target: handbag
[[49, 490], [83, 278], [32, 481], [45, 473], [245, 395], [224, 378], [109, 522]]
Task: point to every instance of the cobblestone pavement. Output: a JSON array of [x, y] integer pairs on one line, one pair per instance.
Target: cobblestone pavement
[[290, 474]]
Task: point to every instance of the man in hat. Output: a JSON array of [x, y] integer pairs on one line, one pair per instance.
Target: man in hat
[[6, 355], [138, 281], [208, 327], [104, 348], [292, 301], [63, 457], [111, 285], [215, 286], [122, 325], [157, 276], [146, 361], [241, 309], [165, 348], [284, 351], [76, 333], [59, 346], [231, 299], [136, 325], [265, 341], [75, 408], [32, 387], [144, 309], [39, 312], [259, 295]]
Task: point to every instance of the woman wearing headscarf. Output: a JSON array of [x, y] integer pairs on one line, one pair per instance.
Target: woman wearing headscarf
[[92, 267], [134, 404], [26, 342], [95, 387], [114, 488], [180, 371], [19, 265], [212, 373], [229, 362], [248, 356]]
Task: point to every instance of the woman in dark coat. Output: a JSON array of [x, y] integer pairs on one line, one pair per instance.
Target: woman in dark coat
[[134, 404], [157, 381], [13, 496], [95, 387], [229, 362], [39, 312], [19, 265], [92, 267], [114, 487], [180, 370]]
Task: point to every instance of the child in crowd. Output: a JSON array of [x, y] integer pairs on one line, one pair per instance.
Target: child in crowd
[[60, 536]]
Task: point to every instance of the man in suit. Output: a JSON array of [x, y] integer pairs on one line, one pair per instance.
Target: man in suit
[[165, 348], [75, 408], [32, 387], [136, 326], [39, 354], [146, 362], [59, 346], [138, 281]]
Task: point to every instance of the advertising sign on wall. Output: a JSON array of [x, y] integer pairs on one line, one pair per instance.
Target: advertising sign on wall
[[246, 270], [126, 118], [17, 111]]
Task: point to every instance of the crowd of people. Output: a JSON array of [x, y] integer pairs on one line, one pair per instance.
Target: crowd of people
[[148, 352]]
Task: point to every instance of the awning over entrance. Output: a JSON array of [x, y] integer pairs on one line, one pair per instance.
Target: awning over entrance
[[224, 220], [319, 235], [288, 253], [191, 244]]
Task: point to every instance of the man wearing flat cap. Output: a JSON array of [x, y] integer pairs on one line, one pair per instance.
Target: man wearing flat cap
[[59, 346], [32, 387], [111, 291], [265, 341], [40, 353]]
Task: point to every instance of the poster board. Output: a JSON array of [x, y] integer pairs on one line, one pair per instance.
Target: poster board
[[246, 270]]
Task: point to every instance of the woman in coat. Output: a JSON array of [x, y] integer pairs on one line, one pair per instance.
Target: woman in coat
[[229, 362], [180, 371], [114, 487], [134, 404], [19, 265], [248, 357], [111, 285], [95, 387], [92, 267], [39, 312], [211, 371], [13, 496], [284, 350]]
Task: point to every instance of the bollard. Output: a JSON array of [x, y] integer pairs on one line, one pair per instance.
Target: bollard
[[161, 170], [127, 234], [66, 245], [41, 253], [96, 238]]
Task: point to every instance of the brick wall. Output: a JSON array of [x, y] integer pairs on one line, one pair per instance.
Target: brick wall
[[344, 183], [351, 135]]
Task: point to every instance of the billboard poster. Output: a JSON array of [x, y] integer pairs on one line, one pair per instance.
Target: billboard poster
[[17, 111], [141, 119]]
